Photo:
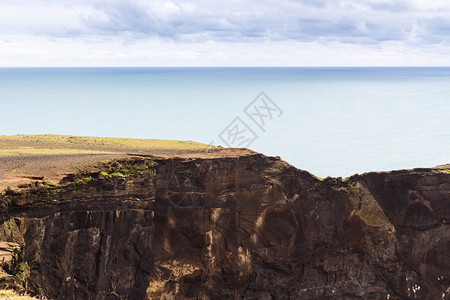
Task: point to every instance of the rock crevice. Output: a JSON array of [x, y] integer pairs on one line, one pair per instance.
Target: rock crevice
[[249, 227]]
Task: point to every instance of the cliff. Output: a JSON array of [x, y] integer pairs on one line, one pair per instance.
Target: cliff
[[226, 227]]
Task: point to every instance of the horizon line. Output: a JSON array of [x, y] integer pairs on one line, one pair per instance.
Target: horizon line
[[205, 67]]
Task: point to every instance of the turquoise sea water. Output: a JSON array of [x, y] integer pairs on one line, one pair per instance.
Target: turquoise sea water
[[334, 121]]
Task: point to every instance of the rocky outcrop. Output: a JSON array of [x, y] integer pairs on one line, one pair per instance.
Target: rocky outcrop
[[249, 227], [8, 254]]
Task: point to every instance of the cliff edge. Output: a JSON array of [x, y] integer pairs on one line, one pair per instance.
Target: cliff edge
[[229, 224]]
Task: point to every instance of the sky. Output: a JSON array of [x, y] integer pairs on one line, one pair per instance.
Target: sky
[[68, 33]]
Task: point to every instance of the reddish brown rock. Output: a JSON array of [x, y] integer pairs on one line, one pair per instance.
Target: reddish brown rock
[[250, 227]]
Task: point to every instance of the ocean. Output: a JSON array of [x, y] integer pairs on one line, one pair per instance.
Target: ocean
[[328, 121]]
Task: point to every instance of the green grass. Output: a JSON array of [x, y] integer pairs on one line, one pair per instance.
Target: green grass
[[22, 273], [65, 144], [352, 188], [127, 168], [51, 184], [116, 174], [373, 216], [446, 171], [88, 179], [104, 174], [43, 151]]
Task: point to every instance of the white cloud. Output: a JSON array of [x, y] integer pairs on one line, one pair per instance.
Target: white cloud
[[163, 32], [40, 51]]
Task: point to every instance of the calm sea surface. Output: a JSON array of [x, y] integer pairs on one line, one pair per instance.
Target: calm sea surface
[[334, 121]]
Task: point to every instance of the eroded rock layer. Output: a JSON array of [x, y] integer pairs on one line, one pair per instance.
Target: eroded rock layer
[[249, 227]]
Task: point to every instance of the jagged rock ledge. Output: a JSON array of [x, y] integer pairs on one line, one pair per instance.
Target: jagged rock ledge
[[245, 226]]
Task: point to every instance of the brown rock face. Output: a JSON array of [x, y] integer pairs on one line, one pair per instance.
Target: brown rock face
[[249, 227]]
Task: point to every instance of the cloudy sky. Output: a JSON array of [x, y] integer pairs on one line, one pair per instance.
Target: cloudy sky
[[224, 33]]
